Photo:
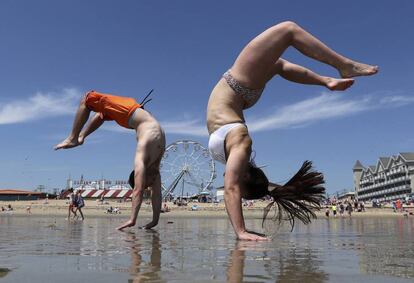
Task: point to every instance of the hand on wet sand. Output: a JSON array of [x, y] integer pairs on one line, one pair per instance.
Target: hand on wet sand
[[251, 236], [149, 225], [129, 223]]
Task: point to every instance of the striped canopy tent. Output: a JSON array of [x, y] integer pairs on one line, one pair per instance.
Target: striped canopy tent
[[110, 193]]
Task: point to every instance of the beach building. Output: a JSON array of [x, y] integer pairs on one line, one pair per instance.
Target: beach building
[[390, 179], [13, 194], [220, 194], [346, 196]]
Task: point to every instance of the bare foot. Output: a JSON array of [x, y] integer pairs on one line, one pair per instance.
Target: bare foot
[[246, 236], [67, 143], [339, 84], [355, 69], [81, 139], [129, 223]]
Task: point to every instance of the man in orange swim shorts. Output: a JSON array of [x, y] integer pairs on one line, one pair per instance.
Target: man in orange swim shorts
[[150, 147]]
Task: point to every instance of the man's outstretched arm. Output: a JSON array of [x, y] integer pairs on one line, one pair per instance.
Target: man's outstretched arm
[[156, 199], [137, 194]]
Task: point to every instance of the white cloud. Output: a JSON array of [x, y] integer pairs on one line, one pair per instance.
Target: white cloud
[[302, 113], [397, 100], [190, 127], [187, 127], [309, 111], [41, 105]]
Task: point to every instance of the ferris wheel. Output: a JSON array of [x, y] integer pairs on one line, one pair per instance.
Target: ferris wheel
[[186, 169]]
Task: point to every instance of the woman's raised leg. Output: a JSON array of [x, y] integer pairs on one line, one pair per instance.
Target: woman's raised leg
[[255, 62]]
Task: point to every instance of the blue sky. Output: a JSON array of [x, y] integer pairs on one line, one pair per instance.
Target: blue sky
[[52, 52]]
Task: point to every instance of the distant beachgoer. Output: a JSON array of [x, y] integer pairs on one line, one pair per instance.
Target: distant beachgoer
[[80, 203], [29, 209], [150, 136], [333, 207], [241, 87], [349, 209], [362, 206], [165, 208], [341, 209], [327, 210], [72, 203], [3, 209]]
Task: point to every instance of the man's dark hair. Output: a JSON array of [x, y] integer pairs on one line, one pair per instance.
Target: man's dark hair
[[131, 179]]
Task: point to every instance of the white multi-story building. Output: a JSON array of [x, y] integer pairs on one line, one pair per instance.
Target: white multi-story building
[[390, 179]]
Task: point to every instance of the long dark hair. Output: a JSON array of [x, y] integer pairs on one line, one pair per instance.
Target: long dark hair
[[297, 199]]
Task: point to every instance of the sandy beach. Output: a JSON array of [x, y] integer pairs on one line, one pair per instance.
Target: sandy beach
[[94, 208]]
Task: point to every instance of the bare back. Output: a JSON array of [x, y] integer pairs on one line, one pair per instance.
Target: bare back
[[150, 136]]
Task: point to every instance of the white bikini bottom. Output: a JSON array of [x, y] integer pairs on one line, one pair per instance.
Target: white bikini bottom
[[216, 143]]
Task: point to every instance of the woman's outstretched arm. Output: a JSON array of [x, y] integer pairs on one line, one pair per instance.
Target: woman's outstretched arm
[[238, 149]]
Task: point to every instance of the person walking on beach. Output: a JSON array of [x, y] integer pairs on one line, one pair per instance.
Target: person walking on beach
[[349, 208], [241, 87], [341, 209], [131, 115], [72, 203], [327, 211], [362, 206], [80, 203], [333, 207]]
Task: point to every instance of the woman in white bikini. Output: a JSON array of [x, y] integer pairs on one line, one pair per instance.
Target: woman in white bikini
[[240, 88]]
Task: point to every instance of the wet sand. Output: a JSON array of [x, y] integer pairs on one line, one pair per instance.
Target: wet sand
[[202, 249]]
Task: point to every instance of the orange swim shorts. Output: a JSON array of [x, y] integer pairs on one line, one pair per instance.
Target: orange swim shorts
[[112, 107]]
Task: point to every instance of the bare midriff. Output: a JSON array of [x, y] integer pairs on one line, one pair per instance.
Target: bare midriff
[[225, 106]]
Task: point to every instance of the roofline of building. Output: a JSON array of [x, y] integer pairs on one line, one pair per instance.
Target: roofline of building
[[17, 192]]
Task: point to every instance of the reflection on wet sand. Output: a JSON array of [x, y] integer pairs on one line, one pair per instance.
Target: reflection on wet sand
[[4, 271], [379, 257], [145, 270], [203, 250], [301, 267]]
